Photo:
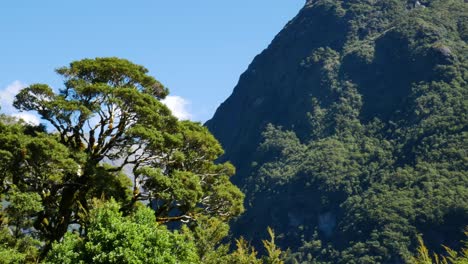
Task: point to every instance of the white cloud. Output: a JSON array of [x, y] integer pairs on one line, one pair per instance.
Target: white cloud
[[178, 106], [28, 118], [7, 96]]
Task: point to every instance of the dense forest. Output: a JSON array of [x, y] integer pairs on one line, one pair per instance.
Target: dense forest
[[163, 200], [349, 132], [348, 138]]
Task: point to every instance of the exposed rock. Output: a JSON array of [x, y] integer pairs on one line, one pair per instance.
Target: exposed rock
[[444, 51]]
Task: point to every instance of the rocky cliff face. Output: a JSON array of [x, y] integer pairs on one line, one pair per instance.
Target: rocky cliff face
[[361, 60]]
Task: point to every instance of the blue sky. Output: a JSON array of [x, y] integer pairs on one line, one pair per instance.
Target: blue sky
[[196, 48]]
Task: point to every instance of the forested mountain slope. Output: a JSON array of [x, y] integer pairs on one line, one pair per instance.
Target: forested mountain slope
[[349, 132]]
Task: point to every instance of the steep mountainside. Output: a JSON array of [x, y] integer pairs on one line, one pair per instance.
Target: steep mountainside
[[349, 132]]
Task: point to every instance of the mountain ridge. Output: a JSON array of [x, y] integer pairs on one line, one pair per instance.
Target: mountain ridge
[[381, 87]]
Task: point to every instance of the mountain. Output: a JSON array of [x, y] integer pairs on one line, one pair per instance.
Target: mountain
[[349, 132]]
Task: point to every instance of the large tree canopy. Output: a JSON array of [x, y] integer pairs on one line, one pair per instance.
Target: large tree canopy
[[111, 135]]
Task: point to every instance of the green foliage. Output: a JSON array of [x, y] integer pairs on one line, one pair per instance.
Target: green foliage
[[450, 257], [20, 207], [246, 254], [274, 254], [384, 158], [113, 238], [17, 249], [380, 192], [112, 137], [208, 235], [377, 159]]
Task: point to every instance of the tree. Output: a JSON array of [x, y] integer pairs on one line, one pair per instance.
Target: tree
[[114, 238], [450, 257], [108, 119], [246, 254]]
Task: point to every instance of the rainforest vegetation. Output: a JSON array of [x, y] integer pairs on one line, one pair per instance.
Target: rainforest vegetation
[[349, 134], [163, 200]]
